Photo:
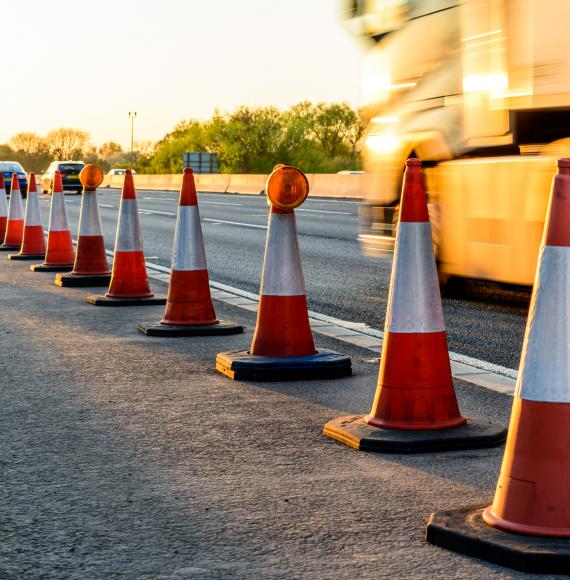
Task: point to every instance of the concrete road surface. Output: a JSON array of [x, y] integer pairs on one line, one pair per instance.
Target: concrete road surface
[[124, 456]]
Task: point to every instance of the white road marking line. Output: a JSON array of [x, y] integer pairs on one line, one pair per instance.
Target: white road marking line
[[160, 198], [155, 212], [478, 372], [105, 205], [234, 223], [324, 211]]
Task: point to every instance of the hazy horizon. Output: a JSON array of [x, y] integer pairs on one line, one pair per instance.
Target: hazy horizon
[[179, 59]]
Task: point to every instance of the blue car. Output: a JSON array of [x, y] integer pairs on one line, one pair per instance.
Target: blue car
[[7, 168]]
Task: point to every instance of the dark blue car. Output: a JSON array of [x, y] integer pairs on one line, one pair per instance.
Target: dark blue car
[[7, 168]]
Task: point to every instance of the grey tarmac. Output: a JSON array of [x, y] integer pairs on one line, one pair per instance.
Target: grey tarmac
[[125, 456], [486, 322]]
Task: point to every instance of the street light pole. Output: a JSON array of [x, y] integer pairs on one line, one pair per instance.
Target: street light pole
[[132, 117]]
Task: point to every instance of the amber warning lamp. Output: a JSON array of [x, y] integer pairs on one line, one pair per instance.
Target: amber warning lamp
[[287, 187], [91, 177]]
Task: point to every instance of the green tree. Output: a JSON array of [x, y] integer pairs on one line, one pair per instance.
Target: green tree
[[6, 152], [109, 150], [247, 140], [316, 138], [67, 143], [31, 151], [186, 136]]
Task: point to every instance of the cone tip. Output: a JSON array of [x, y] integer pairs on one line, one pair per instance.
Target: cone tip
[[556, 231], [128, 186], [413, 204], [188, 189], [57, 183], [15, 181]]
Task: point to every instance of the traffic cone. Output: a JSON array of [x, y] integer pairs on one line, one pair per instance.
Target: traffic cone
[[3, 208], [189, 309], [60, 254], [90, 267], [282, 346], [415, 408], [129, 282], [33, 240], [15, 223], [528, 524]]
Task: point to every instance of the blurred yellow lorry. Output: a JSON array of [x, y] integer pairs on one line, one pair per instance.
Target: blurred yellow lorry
[[479, 90]]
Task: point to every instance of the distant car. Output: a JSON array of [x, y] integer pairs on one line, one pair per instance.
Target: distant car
[[119, 171], [69, 176], [7, 168]]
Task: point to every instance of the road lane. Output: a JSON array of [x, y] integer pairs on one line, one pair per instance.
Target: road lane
[[488, 323]]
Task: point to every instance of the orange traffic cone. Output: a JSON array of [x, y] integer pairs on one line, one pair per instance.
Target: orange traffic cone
[[282, 346], [129, 281], [415, 408], [3, 208], [59, 254], [90, 267], [15, 223], [189, 309], [530, 514], [33, 241]]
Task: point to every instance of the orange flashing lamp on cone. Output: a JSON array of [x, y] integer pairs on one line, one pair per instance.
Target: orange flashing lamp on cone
[[60, 254], [415, 408], [528, 524], [33, 240], [15, 222], [3, 208], [282, 346], [189, 309], [90, 267], [129, 281]]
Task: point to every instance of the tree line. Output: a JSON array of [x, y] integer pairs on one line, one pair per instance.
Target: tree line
[[318, 138]]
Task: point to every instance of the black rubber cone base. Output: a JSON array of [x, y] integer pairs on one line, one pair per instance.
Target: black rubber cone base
[[83, 280], [102, 300], [243, 366], [50, 268], [4, 248], [223, 327], [463, 530], [25, 256], [355, 432]]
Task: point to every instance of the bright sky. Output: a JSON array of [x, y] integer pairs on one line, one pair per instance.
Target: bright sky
[[85, 64]]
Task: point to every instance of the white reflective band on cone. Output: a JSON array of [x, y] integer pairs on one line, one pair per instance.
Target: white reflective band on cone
[[545, 363], [16, 207], [33, 217], [3, 203], [129, 238], [57, 214], [188, 250], [90, 221], [414, 304], [282, 269]]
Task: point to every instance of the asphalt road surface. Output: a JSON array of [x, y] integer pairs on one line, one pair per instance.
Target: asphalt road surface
[[486, 322], [128, 457]]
